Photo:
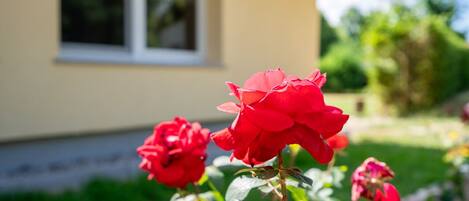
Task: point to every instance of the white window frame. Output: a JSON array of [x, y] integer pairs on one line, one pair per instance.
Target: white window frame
[[135, 50]]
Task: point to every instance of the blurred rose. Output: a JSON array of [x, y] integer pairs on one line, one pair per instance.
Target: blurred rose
[[369, 181], [338, 142], [175, 153], [465, 113], [276, 110]]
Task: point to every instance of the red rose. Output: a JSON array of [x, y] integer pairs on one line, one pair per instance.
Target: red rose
[[465, 113], [338, 142], [276, 110], [369, 181], [175, 153]]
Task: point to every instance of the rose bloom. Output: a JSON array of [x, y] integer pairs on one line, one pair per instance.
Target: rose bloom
[[369, 181], [275, 110], [175, 153], [338, 142], [465, 113]]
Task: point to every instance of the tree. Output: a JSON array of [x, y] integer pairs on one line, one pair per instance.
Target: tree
[[352, 22], [328, 35]]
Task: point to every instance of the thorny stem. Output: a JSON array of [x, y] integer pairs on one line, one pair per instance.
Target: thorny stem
[[282, 181]]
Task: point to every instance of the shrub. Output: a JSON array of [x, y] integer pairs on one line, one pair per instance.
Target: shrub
[[414, 63], [343, 67]]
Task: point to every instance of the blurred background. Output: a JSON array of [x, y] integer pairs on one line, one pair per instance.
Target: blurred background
[[82, 82]]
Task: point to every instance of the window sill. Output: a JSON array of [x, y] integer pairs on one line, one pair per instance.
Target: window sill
[[125, 58]]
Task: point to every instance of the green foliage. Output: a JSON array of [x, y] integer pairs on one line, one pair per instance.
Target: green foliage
[[241, 186], [352, 22], [343, 65], [441, 7], [414, 63], [328, 36]]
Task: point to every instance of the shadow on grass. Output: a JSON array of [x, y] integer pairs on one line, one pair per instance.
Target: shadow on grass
[[415, 167]]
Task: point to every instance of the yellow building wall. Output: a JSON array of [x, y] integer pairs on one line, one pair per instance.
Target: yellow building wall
[[40, 97]]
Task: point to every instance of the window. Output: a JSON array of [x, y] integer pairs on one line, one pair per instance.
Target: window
[[133, 31]]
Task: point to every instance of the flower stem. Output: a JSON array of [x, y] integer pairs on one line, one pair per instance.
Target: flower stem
[[197, 191], [282, 181]]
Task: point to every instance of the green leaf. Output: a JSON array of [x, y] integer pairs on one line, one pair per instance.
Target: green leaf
[[241, 186], [298, 194], [294, 148], [296, 173], [337, 176], [203, 179], [215, 175], [244, 170], [266, 172], [207, 196], [223, 162]]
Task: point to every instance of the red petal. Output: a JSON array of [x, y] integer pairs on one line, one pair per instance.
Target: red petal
[[250, 96], [229, 107], [328, 122], [234, 88], [243, 130], [265, 81], [223, 139], [337, 142], [318, 78], [268, 120], [313, 143], [295, 97], [390, 193]]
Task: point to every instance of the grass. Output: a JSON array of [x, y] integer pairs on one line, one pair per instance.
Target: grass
[[414, 167]]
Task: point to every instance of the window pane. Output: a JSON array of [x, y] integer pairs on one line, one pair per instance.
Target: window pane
[[93, 21], [171, 24]]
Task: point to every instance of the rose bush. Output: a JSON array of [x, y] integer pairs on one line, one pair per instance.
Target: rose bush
[[175, 153], [370, 181], [275, 110]]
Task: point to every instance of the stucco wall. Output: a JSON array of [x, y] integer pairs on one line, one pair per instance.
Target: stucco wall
[[41, 97]]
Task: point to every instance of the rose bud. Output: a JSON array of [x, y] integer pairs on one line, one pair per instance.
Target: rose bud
[[174, 154], [370, 181], [275, 110]]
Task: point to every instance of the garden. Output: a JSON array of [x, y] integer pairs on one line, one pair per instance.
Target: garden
[[385, 117]]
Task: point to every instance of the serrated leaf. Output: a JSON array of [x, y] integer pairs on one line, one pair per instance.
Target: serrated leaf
[[298, 176], [241, 186], [298, 194], [244, 170], [266, 172]]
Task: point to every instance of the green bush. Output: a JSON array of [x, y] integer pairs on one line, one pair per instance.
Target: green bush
[[343, 67], [414, 63]]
